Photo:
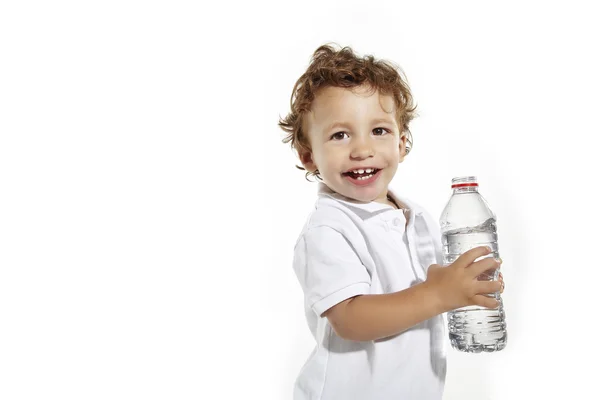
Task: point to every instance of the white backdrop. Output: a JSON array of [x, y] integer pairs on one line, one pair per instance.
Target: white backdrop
[[148, 209]]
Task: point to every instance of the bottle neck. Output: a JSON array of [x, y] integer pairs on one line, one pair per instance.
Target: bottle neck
[[466, 189], [465, 184]]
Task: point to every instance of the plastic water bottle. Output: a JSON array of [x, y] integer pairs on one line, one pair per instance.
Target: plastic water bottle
[[468, 222]]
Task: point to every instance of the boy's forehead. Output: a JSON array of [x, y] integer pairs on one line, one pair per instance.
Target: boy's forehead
[[335, 102], [334, 92]]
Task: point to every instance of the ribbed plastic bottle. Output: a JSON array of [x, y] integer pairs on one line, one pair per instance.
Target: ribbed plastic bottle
[[467, 222]]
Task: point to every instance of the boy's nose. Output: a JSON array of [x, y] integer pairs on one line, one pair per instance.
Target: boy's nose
[[362, 150]]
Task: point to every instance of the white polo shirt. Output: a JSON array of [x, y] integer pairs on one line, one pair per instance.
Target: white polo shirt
[[348, 248]]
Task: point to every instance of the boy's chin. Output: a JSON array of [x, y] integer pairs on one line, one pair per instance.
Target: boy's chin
[[365, 199], [364, 194], [361, 195]]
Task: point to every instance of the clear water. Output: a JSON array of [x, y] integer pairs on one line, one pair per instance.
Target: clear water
[[474, 329]]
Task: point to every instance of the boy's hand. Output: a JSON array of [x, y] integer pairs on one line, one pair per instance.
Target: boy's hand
[[457, 286]]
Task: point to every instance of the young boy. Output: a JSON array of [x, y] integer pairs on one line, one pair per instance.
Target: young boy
[[368, 260]]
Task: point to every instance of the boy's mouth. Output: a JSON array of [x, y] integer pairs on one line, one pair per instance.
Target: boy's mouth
[[362, 173]]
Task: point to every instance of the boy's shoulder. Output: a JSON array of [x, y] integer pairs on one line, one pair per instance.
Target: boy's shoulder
[[414, 206], [328, 212]]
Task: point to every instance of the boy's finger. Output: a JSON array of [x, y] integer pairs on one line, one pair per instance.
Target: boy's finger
[[468, 257], [484, 301], [487, 287], [481, 266]]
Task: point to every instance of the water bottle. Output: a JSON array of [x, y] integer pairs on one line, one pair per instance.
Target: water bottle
[[468, 222]]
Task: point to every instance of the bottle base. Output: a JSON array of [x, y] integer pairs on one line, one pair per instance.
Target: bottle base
[[475, 329], [469, 343]]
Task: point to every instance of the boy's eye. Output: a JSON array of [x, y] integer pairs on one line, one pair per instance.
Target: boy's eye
[[380, 131], [338, 135]]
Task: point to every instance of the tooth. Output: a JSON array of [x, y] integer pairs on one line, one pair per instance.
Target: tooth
[[368, 170], [361, 171]]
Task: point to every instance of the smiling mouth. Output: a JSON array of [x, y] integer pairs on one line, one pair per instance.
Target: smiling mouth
[[362, 174]]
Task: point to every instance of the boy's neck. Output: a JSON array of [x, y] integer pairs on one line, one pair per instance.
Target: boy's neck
[[390, 200]]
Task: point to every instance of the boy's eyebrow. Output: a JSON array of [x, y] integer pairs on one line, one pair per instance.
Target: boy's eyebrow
[[382, 120], [337, 124]]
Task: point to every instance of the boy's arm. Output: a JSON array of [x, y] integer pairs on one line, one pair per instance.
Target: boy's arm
[[371, 317], [376, 316]]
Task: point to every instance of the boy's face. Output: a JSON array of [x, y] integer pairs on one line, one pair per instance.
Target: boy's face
[[348, 132]]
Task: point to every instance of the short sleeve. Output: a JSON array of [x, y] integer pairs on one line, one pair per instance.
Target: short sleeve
[[328, 268]]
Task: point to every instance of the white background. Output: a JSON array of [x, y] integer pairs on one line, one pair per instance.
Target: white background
[[148, 209]]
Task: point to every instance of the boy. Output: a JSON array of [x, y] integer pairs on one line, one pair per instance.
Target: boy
[[368, 259]]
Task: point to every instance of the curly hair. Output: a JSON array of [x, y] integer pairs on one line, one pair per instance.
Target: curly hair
[[343, 68]]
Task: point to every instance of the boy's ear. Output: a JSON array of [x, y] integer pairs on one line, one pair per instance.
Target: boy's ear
[[307, 161], [402, 147]]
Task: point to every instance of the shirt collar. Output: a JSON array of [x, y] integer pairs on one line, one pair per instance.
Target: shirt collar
[[370, 208]]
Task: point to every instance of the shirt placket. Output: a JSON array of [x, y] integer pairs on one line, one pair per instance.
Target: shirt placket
[[411, 238]]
